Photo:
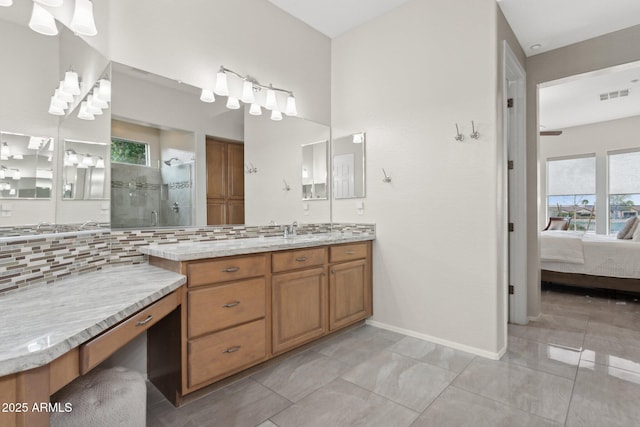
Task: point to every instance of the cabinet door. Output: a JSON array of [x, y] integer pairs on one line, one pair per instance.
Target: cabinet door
[[299, 308], [349, 294], [235, 212], [236, 170], [216, 212], [216, 170]]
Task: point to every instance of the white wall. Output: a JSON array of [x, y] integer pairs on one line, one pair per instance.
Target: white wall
[[191, 41], [275, 149], [597, 138], [406, 78]]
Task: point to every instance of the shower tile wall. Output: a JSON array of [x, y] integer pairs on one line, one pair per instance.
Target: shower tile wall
[[135, 195], [176, 188]]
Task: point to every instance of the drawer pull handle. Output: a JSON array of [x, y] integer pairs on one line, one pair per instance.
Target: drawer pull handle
[[145, 321], [232, 349], [350, 252], [231, 269], [231, 304], [301, 259]]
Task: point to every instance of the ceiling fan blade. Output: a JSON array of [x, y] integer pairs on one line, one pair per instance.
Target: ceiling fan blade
[[550, 132]]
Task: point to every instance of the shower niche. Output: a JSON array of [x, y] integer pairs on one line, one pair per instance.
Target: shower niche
[[152, 175]]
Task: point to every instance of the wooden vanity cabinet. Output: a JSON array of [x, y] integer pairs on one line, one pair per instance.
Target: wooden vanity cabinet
[[226, 324], [243, 310]]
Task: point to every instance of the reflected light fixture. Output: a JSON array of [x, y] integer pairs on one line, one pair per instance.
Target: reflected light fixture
[[6, 3], [17, 157], [290, 109], [2, 176], [16, 174], [72, 156], [104, 90], [250, 88], [255, 110], [248, 97], [271, 102], [71, 83], [52, 3], [83, 22], [96, 102], [5, 151], [233, 103], [83, 113], [42, 21], [100, 163], [358, 138], [87, 160], [207, 96], [276, 115]]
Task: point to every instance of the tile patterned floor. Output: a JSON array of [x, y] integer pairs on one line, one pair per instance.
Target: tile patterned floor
[[577, 365]]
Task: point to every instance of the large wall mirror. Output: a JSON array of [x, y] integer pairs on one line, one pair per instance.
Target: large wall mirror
[[349, 166], [26, 170], [314, 171]]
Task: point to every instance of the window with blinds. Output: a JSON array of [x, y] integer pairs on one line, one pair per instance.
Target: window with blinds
[[624, 187], [571, 190]]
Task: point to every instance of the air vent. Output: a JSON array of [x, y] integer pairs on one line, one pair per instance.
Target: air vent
[[614, 94]]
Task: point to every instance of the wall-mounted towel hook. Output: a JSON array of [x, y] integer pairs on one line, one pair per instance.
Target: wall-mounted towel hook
[[459, 136], [386, 178], [474, 133], [286, 186], [251, 169]]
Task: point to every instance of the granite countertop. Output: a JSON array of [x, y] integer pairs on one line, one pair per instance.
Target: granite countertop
[[42, 322], [188, 251]]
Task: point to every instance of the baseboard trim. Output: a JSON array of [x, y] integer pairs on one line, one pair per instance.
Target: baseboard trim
[[473, 350]]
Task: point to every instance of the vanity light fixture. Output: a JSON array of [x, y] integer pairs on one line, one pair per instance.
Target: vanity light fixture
[[358, 138], [250, 88], [91, 107], [97, 103], [62, 95], [255, 109], [82, 21], [104, 90], [233, 103], [42, 21], [6, 3], [71, 83], [84, 114], [207, 96], [276, 115]]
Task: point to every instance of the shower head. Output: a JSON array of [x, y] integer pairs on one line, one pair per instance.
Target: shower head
[[168, 162]]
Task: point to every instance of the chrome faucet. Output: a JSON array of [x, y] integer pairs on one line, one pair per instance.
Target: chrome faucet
[[87, 224], [291, 230], [45, 224]]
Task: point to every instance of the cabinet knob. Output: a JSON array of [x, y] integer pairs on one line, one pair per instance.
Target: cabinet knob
[[231, 269], [231, 304], [232, 349]]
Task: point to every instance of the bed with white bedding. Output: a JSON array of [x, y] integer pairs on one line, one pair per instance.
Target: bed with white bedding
[[590, 260]]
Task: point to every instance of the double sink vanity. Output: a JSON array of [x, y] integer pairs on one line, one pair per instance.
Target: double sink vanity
[[210, 310]]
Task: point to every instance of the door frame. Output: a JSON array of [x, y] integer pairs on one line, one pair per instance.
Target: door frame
[[514, 140]]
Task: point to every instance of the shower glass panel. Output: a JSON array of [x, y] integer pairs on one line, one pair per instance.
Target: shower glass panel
[[156, 190]]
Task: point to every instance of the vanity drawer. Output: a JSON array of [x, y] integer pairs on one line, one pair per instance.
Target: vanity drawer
[[225, 352], [225, 269], [347, 252], [101, 347], [300, 258], [219, 307]]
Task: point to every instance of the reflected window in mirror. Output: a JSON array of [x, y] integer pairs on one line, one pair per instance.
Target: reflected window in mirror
[[130, 152], [314, 171], [85, 166], [26, 170], [349, 166]]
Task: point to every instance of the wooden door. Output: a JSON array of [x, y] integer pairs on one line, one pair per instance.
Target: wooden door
[[349, 294], [299, 307], [225, 182]]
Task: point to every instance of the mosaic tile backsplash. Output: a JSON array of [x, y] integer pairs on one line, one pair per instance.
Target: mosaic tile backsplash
[[44, 259]]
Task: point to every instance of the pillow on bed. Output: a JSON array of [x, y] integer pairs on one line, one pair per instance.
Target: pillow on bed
[[622, 234], [633, 230]]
